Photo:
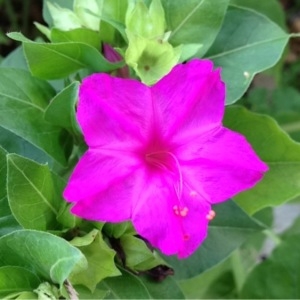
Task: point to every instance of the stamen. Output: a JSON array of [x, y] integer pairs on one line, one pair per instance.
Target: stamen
[[210, 216], [180, 211], [163, 165]]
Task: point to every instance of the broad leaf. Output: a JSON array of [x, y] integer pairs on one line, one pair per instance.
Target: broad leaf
[[126, 286], [7, 222], [23, 99], [138, 255], [100, 259], [34, 193], [278, 276], [49, 256], [277, 149], [17, 280], [61, 110], [129, 286], [194, 22], [82, 35], [62, 59], [230, 228], [247, 44], [273, 9]]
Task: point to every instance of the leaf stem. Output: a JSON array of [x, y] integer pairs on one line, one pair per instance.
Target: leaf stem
[[273, 236]]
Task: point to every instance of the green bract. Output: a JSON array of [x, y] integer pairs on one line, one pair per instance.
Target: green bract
[[83, 15], [148, 52]]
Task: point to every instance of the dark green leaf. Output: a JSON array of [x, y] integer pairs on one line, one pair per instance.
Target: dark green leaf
[[23, 100], [34, 193], [61, 110], [62, 59], [230, 228], [273, 146], [247, 44], [194, 22], [126, 286], [49, 256], [272, 9], [7, 221], [17, 280], [278, 276]]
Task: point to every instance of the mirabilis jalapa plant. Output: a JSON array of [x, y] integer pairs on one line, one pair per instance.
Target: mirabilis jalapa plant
[[140, 150]]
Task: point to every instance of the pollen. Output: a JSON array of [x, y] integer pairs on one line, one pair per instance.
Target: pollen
[[180, 211], [210, 216]]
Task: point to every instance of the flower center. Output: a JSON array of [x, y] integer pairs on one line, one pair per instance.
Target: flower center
[[168, 162]]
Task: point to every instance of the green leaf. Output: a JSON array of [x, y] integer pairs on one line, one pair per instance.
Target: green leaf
[[247, 44], [7, 221], [15, 59], [126, 286], [13, 143], [271, 9], [198, 286], [23, 100], [62, 59], [16, 280], [138, 256], [61, 110], [100, 260], [49, 256], [84, 293], [81, 35], [34, 193], [194, 21], [278, 276], [129, 286], [165, 289], [277, 149], [229, 229]]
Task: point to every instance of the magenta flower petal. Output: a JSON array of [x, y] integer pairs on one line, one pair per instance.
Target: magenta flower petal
[[113, 111], [190, 97], [223, 159], [112, 204], [159, 156], [172, 225], [97, 170]]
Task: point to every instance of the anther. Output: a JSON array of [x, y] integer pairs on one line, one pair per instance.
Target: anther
[[210, 215], [180, 211]]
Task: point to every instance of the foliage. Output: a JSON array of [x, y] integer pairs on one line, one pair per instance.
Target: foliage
[[45, 251]]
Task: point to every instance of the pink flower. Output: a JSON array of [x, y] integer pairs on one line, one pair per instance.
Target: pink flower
[[159, 156]]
